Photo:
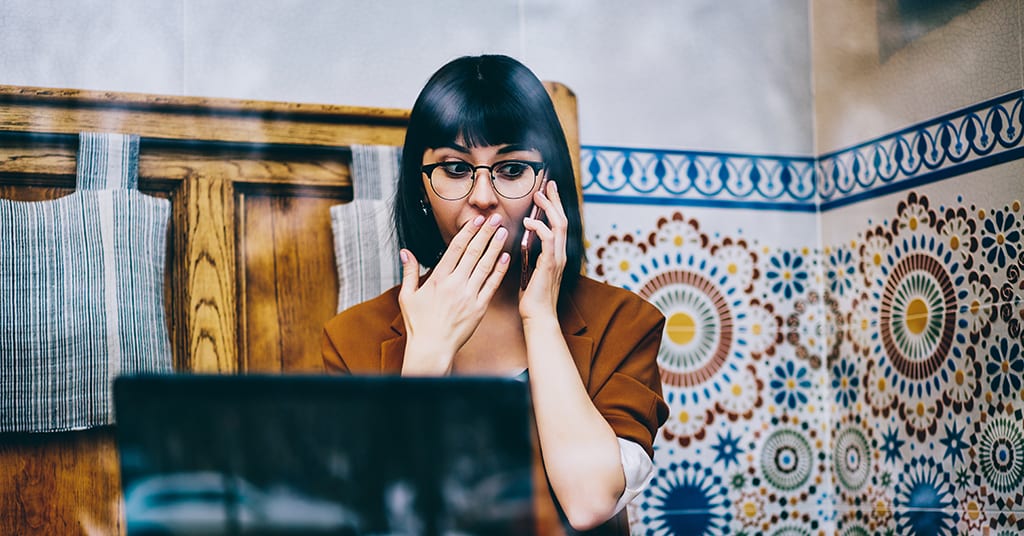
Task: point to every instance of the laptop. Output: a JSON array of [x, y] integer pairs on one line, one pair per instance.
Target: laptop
[[203, 454]]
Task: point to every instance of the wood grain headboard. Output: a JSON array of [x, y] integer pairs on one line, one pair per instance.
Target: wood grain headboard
[[251, 277]]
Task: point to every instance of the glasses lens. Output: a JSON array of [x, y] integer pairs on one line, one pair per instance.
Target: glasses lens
[[452, 180], [514, 179]]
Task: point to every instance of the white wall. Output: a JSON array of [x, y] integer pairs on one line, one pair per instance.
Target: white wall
[[695, 74]]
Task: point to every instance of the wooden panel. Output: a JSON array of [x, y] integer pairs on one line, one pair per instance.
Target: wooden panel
[[289, 284], [154, 116], [564, 101], [160, 164], [32, 193], [205, 338], [176, 126], [63, 483], [145, 101]]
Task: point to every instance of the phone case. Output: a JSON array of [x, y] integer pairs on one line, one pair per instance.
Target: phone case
[[527, 244]]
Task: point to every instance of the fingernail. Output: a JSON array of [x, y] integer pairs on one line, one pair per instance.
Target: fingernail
[[554, 185], [504, 258], [494, 220], [501, 234], [479, 220], [404, 255]]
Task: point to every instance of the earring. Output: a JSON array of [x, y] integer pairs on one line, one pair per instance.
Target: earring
[[424, 207]]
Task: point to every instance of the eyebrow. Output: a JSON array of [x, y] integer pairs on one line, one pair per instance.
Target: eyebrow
[[513, 148]]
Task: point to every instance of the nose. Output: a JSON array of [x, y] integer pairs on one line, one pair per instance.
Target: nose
[[483, 195]]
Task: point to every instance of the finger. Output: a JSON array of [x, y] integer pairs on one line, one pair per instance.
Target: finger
[[493, 281], [560, 223], [552, 191], [539, 228], [410, 273], [487, 260], [477, 245], [550, 202], [556, 219], [552, 242], [457, 247]]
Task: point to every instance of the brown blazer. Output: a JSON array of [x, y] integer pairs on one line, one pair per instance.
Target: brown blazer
[[612, 334]]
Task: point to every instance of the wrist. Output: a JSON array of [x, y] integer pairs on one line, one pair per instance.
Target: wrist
[[541, 322], [426, 360], [538, 313]]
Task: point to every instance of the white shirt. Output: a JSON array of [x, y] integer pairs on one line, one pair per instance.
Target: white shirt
[[638, 469]]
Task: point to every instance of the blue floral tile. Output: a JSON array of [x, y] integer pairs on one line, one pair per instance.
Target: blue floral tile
[[791, 384], [990, 244], [672, 524], [684, 497], [924, 500], [996, 457], [926, 522], [852, 462], [869, 521], [996, 357]]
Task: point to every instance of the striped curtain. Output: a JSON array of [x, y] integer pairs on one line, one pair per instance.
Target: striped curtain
[[81, 292], [365, 247]]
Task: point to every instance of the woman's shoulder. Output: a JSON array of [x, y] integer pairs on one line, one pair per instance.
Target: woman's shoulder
[[601, 302], [368, 316]]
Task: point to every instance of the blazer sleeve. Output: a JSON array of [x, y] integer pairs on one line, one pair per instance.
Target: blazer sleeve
[[626, 383]]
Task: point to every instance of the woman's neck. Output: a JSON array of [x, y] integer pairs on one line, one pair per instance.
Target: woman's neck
[[508, 291]]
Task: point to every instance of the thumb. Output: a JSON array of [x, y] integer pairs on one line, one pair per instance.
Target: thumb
[[410, 272]]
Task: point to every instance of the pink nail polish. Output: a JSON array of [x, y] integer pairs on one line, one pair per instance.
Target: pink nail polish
[[478, 221]]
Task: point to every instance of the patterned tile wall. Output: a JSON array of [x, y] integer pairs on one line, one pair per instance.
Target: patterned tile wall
[[743, 368], [851, 364]]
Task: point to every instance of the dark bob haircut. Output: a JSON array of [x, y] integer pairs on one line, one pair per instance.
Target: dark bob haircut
[[484, 100]]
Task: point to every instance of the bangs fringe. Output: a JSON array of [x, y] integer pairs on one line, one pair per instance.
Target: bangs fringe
[[481, 122]]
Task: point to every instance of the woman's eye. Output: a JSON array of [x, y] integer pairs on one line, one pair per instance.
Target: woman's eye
[[457, 169], [511, 170]]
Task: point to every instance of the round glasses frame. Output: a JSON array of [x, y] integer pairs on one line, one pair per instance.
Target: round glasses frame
[[535, 166]]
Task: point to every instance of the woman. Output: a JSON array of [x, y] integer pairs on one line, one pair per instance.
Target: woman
[[482, 136]]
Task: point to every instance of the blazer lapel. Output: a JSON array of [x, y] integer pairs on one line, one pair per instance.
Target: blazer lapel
[[392, 351], [581, 345]]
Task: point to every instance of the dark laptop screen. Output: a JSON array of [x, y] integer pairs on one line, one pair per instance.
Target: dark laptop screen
[[328, 455]]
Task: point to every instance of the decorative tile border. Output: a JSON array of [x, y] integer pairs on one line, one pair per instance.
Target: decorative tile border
[[976, 137], [696, 178], [966, 140]]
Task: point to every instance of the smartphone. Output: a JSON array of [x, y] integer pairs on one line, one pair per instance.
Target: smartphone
[[529, 245]]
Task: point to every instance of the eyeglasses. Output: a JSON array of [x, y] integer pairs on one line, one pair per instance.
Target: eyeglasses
[[512, 179]]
